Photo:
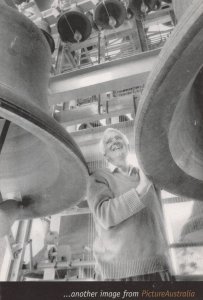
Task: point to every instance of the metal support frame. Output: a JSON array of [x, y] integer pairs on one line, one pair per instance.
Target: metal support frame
[[142, 35], [114, 75], [13, 247], [23, 233], [114, 107], [65, 265]]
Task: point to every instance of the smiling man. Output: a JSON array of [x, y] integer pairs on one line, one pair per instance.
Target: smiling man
[[130, 242]]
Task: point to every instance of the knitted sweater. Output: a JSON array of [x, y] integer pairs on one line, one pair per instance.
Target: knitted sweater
[[130, 232]]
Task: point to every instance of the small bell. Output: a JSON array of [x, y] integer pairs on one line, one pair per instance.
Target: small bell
[[110, 14], [74, 26]]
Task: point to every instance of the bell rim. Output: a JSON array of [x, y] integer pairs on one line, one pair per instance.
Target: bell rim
[[49, 132], [7, 103], [50, 40]]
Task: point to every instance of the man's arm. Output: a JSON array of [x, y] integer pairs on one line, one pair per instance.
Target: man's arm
[[108, 209]]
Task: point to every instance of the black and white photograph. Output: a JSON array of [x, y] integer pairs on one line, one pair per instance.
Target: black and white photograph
[[101, 149]]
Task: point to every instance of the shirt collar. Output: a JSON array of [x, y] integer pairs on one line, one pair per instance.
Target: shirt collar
[[132, 169], [112, 168]]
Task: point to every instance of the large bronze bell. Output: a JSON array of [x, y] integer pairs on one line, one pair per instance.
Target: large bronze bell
[[39, 161], [110, 14], [169, 124], [74, 26]]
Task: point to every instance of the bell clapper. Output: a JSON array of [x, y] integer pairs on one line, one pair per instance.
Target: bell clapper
[[112, 21], [77, 36], [8, 215], [11, 210]]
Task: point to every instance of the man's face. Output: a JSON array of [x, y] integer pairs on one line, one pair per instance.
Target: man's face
[[116, 148]]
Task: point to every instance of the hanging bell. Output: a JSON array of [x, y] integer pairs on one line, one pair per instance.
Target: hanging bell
[[137, 9], [46, 30], [18, 2], [39, 161], [74, 26], [130, 13], [169, 122], [110, 14], [44, 4], [152, 5]]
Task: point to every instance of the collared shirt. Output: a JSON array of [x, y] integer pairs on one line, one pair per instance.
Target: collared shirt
[[132, 170]]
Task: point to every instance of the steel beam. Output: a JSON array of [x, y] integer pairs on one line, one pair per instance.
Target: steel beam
[[91, 112], [116, 75], [65, 265], [92, 136]]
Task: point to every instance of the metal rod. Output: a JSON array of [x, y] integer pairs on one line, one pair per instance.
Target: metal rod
[[23, 234], [99, 46], [186, 244], [134, 105], [4, 134]]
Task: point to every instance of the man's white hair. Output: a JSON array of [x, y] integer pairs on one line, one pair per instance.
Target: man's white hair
[[102, 144]]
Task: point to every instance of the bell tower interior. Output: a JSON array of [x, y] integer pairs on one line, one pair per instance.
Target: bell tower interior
[[102, 53]]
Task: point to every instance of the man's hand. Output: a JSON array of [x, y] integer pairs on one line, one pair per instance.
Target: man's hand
[[143, 184]]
